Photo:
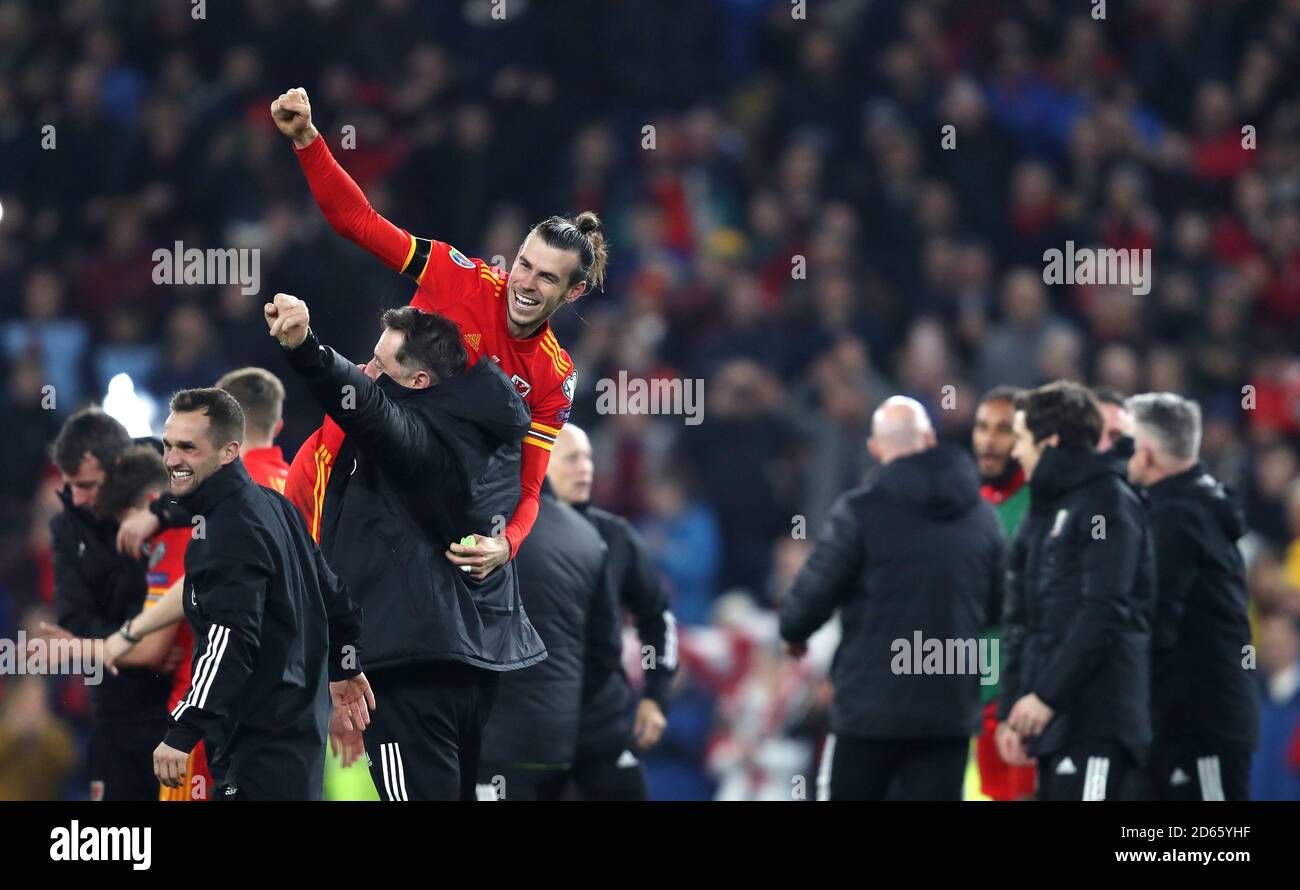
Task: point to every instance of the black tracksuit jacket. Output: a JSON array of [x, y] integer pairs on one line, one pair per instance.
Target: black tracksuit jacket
[[419, 469], [914, 550], [96, 589], [1200, 692], [608, 700], [1079, 603], [563, 576], [272, 626]]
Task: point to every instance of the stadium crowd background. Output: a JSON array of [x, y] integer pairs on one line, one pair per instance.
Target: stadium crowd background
[[775, 138]]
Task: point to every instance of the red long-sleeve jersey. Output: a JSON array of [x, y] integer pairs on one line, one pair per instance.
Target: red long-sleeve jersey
[[469, 292]]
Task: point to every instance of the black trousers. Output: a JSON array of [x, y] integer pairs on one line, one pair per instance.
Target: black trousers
[[426, 731], [512, 781], [1187, 770], [610, 775], [121, 758], [1086, 769], [855, 768]]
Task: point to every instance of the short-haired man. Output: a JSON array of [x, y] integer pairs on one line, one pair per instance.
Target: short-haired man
[[1116, 421], [95, 590], [618, 724], [431, 453], [260, 395], [277, 632], [1205, 716], [138, 478], [1076, 650]]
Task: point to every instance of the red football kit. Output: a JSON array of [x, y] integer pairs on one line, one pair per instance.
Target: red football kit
[[165, 552], [469, 292]]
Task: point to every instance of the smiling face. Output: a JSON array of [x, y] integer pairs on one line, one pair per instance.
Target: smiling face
[[539, 285], [384, 361], [190, 454]]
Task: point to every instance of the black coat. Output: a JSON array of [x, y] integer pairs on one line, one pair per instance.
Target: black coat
[[420, 469], [272, 626], [96, 589], [608, 700], [562, 575], [1200, 690], [915, 550], [1079, 604]]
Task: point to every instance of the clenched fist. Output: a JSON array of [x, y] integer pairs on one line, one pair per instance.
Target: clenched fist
[[288, 319], [291, 112]]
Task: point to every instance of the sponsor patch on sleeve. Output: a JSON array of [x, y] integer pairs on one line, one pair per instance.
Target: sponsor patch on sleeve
[[459, 258], [563, 416], [569, 385]]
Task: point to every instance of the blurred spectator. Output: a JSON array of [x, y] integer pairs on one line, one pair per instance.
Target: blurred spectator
[[1275, 769]]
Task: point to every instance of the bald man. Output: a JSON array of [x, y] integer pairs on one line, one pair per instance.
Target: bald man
[[912, 560], [618, 724]]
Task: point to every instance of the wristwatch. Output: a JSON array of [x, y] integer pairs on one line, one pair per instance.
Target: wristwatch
[[125, 631]]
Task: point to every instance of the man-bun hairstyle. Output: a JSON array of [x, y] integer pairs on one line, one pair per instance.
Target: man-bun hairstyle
[[583, 236]]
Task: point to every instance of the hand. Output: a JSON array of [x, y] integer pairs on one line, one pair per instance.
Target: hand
[[795, 650], [1011, 747], [486, 554], [353, 701], [1029, 716], [169, 765], [650, 724], [291, 112], [90, 648], [288, 320], [348, 745], [139, 526]]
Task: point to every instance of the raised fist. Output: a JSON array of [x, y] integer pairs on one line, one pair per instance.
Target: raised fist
[[291, 112], [288, 320]]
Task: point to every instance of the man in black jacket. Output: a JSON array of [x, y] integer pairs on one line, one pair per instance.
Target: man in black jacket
[[617, 724], [276, 634], [95, 590], [1205, 716], [532, 736], [431, 453], [913, 561], [1076, 650]]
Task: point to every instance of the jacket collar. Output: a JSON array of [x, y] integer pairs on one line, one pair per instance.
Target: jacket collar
[[1170, 484], [1061, 470], [217, 487]]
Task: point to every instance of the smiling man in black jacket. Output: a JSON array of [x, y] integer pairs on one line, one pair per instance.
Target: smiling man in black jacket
[[275, 632], [913, 561], [1076, 652], [1204, 711], [432, 453]]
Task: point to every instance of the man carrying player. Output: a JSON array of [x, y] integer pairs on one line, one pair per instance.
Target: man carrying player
[[505, 317]]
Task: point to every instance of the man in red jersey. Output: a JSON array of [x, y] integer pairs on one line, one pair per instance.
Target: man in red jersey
[[505, 317], [261, 395]]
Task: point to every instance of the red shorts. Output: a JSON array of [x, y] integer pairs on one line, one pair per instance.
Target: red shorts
[[998, 779]]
